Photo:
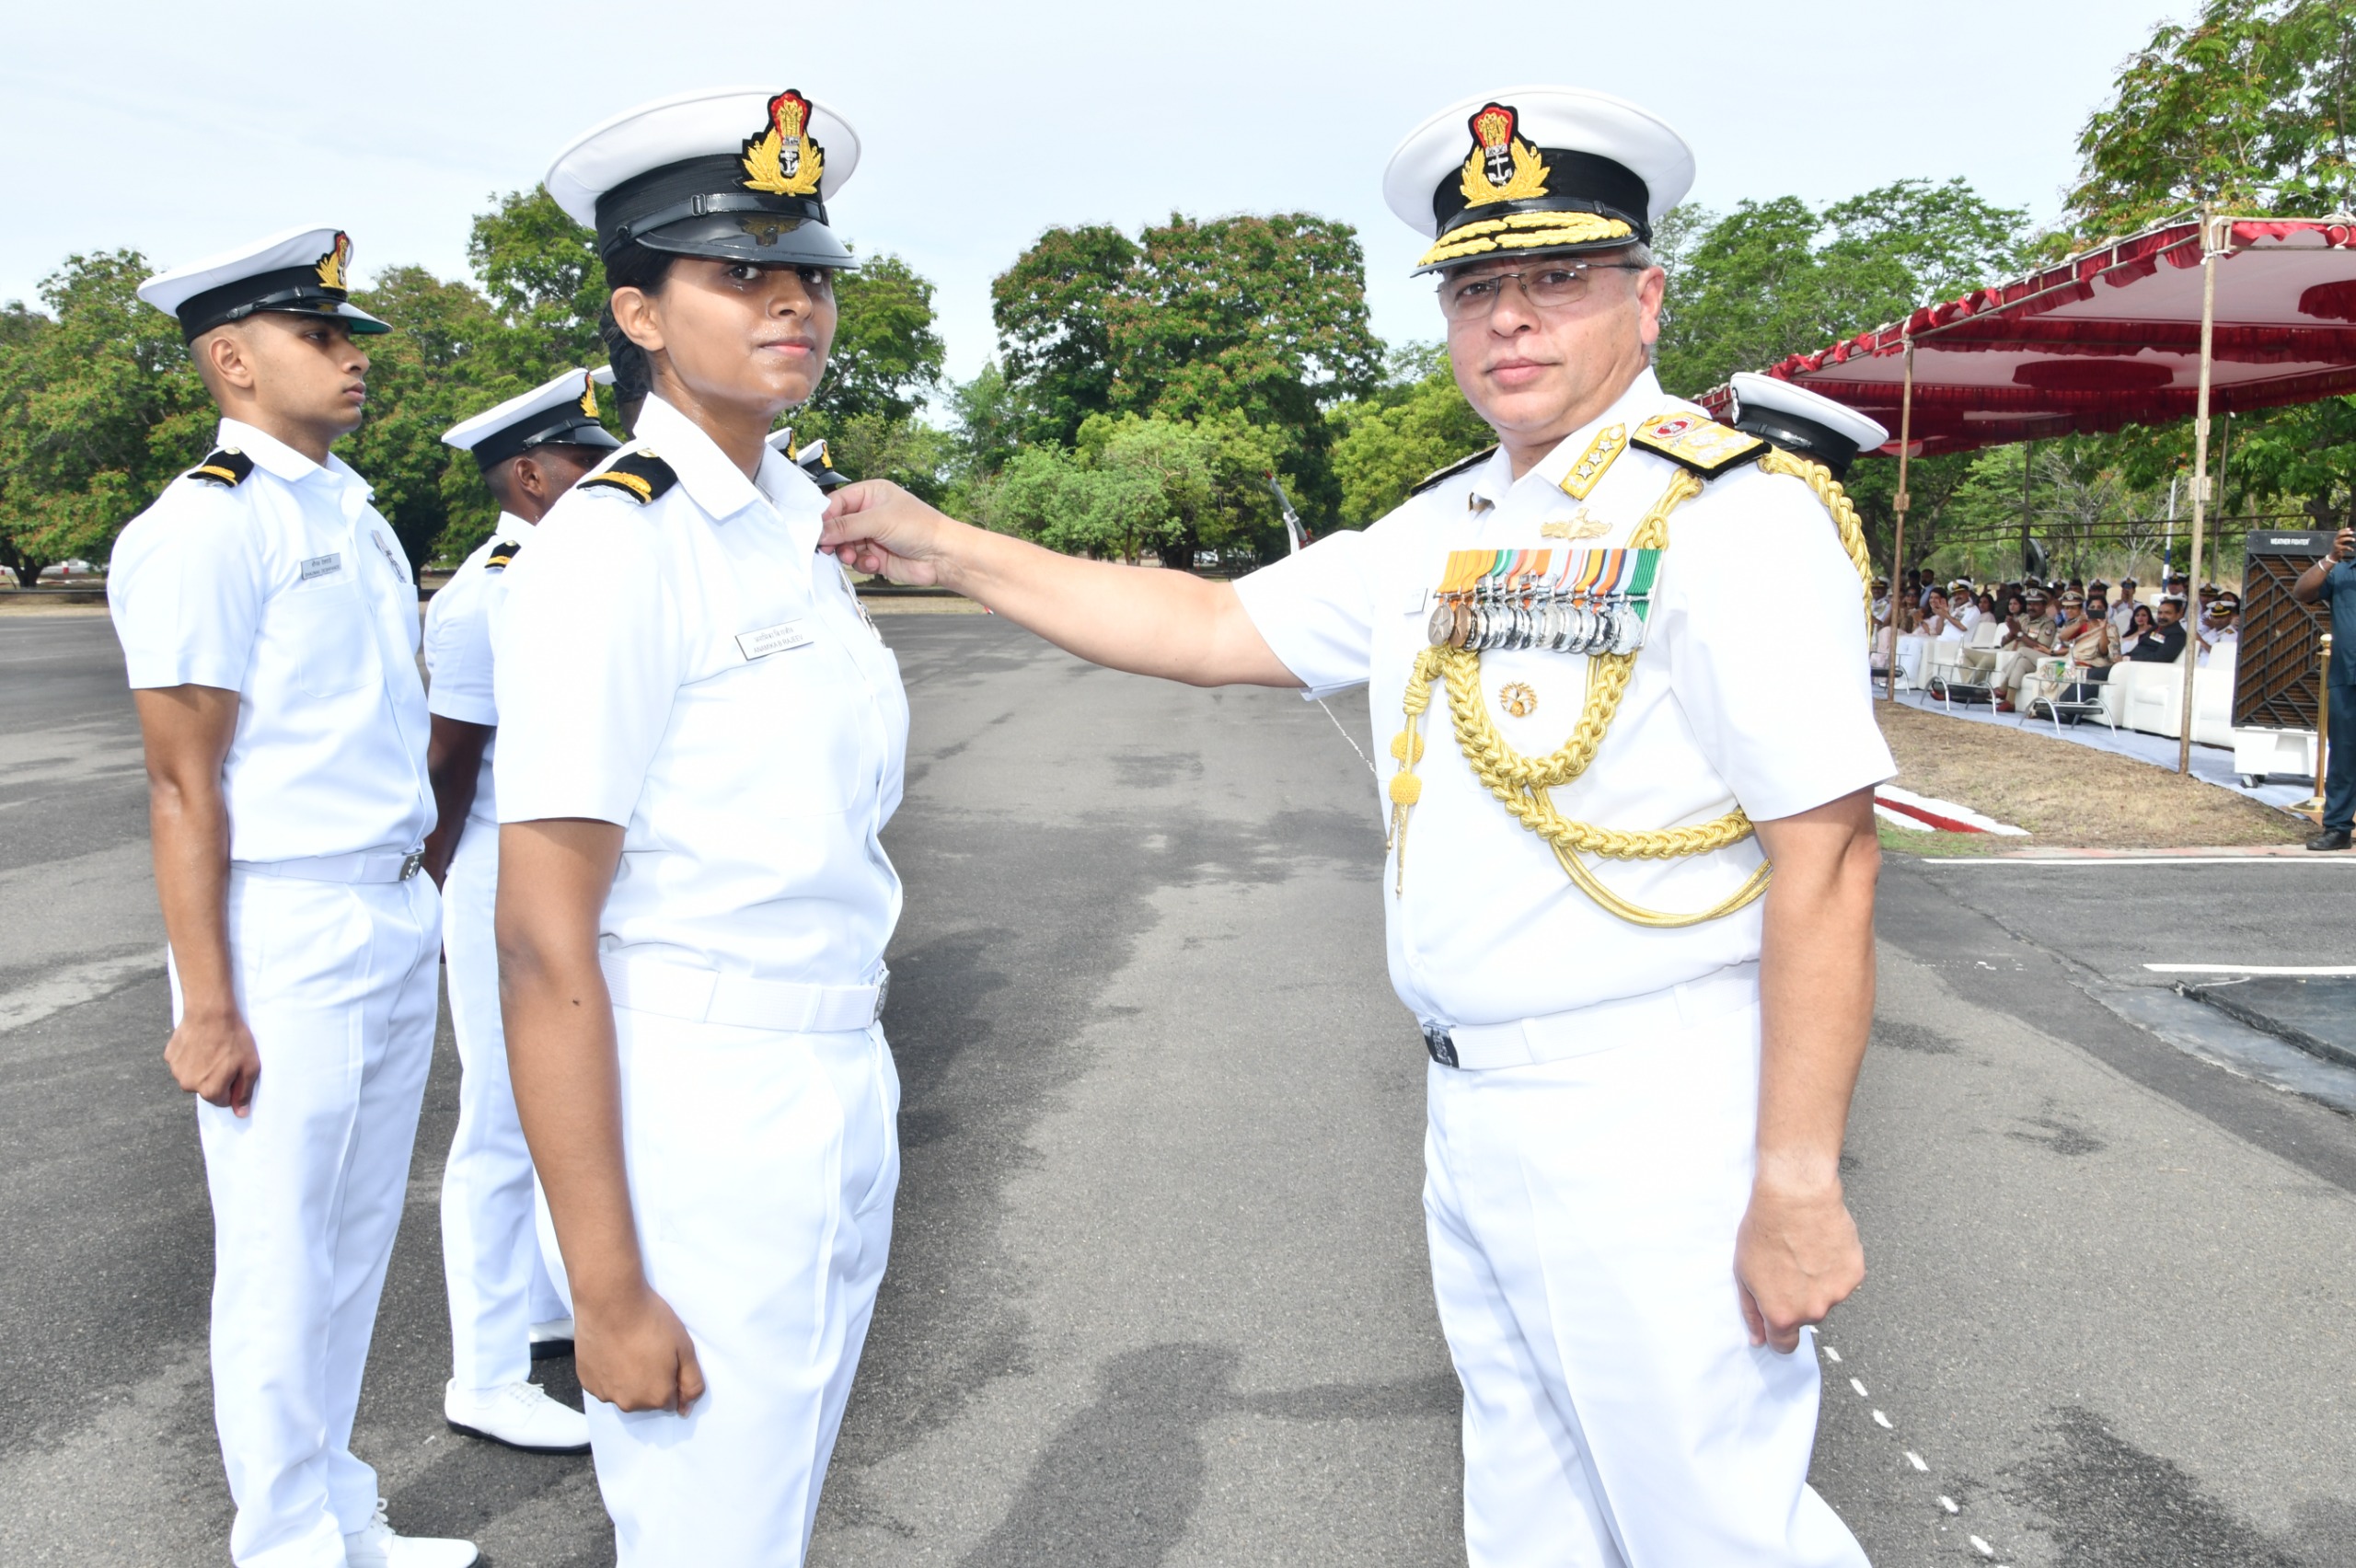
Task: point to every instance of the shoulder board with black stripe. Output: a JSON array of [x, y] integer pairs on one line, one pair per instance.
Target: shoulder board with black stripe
[[1438, 475], [224, 466], [639, 474], [501, 555], [1697, 441]]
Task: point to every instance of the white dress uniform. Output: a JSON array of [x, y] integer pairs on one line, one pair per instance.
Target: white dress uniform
[[1593, 1095], [491, 1250], [687, 667], [499, 1283], [271, 576]]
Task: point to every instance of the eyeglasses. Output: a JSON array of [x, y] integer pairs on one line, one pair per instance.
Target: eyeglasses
[[1554, 287]]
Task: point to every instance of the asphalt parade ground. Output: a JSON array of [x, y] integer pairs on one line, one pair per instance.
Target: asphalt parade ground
[[1157, 1294]]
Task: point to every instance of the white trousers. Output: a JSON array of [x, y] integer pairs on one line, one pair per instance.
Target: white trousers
[[490, 1249], [337, 982], [1582, 1216], [762, 1169]]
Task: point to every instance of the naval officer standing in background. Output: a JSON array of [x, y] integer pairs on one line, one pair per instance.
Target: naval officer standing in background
[[701, 738], [531, 448], [1642, 1049], [269, 625]]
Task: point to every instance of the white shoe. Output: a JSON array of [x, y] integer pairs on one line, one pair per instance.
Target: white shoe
[[520, 1415], [379, 1546], [551, 1338]]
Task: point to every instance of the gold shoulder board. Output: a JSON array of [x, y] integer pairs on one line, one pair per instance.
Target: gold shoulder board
[[1697, 441], [639, 474]]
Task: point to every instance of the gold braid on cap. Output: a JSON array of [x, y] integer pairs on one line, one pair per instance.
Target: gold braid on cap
[[1521, 784], [1520, 231]]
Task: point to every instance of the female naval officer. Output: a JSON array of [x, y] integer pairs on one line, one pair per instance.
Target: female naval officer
[[701, 736]]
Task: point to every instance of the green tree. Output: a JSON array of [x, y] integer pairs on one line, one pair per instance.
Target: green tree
[[1778, 277], [2246, 106], [540, 271], [424, 376], [1261, 317], [1385, 444], [886, 356], [100, 408], [1050, 312]]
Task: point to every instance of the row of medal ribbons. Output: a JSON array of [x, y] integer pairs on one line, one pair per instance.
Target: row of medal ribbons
[[1574, 602]]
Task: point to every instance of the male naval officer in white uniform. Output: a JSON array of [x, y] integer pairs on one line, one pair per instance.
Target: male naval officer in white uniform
[[504, 1307], [1641, 1072], [269, 624]]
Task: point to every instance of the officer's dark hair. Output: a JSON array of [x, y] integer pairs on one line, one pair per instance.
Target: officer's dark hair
[[645, 269]]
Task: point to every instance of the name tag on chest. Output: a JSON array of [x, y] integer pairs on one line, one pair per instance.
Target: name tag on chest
[[322, 566], [781, 638]]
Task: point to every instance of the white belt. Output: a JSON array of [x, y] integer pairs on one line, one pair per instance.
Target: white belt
[[706, 996], [369, 866], [1575, 1033]]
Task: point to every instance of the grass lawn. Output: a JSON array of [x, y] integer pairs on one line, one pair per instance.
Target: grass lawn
[[2066, 795]]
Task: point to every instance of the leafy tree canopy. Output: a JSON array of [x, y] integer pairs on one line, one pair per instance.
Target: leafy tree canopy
[[100, 408], [886, 357]]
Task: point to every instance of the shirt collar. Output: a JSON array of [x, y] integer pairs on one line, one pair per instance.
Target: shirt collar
[[512, 526], [1492, 482], [715, 484], [278, 460]]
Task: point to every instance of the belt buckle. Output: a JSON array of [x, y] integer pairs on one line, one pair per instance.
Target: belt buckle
[[412, 863], [883, 989], [1440, 1044]]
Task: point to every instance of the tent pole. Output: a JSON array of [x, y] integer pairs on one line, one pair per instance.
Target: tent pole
[[2200, 489], [1897, 508]]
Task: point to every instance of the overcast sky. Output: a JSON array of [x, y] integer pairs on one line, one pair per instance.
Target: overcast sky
[[181, 130]]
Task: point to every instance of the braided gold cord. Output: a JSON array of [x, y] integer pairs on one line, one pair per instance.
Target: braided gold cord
[[1819, 478], [1521, 784]]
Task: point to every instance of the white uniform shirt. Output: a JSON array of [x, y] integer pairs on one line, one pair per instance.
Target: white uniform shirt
[[290, 590], [1969, 615], [1752, 690], [692, 670], [458, 621]]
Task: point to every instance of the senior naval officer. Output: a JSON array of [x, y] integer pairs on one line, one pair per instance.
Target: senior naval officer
[[1642, 1050], [531, 449], [269, 624], [701, 739]]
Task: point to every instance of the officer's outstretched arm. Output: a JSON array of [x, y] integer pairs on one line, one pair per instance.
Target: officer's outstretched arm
[[1170, 624], [1797, 1256], [629, 1346], [186, 731]]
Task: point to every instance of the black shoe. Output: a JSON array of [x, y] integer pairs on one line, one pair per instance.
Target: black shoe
[[2329, 838]]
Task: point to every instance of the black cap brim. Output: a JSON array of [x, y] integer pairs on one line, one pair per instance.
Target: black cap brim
[[771, 239]]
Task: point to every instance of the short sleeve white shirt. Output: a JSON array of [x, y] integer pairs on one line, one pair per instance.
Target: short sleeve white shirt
[[1752, 690], [290, 591], [457, 652], [692, 670]]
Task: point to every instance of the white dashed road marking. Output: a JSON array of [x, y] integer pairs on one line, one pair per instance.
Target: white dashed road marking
[[1919, 1464]]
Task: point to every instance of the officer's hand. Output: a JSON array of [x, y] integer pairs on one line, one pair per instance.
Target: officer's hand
[[212, 1055], [1795, 1258], [2344, 546], [875, 526], [636, 1354]]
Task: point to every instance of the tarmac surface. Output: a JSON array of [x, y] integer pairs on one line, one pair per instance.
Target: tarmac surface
[[1158, 1295]]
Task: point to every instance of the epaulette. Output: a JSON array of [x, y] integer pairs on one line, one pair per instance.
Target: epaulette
[[639, 474], [1696, 442], [501, 554], [224, 466], [1439, 475]]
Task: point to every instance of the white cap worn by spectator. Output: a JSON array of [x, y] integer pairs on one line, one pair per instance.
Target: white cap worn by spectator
[[1804, 424]]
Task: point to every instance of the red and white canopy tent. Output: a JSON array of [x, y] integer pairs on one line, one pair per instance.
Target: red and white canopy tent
[[2196, 315]]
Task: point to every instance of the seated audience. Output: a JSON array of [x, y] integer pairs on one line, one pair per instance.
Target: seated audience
[[2032, 636], [2123, 608], [2086, 635], [2222, 626], [2164, 644], [2140, 625]]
